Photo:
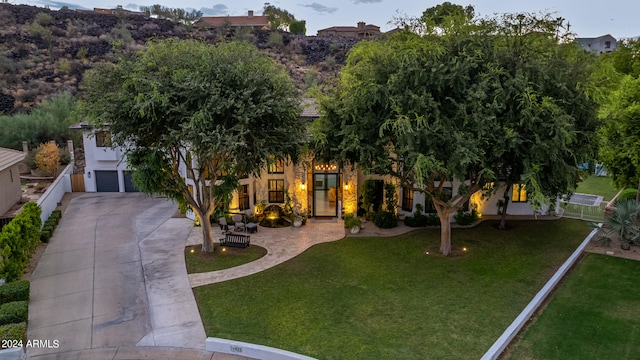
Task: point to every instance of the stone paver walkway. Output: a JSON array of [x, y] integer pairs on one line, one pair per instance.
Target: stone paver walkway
[[282, 244]]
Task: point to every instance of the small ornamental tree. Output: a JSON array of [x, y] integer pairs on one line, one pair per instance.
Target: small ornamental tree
[[48, 158]]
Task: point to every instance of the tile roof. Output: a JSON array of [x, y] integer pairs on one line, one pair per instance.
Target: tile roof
[[9, 157]]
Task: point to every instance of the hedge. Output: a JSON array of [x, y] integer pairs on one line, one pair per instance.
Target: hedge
[[18, 239], [13, 332], [14, 291], [14, 312]]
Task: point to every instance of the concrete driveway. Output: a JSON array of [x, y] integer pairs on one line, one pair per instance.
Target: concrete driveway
[[113, 275]]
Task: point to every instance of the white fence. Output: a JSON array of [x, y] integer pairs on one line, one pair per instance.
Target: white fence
[[50, 199], [583, 212]]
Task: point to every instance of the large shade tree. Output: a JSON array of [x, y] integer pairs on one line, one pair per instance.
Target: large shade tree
[[220, 112], [620, 149], [446, 102]]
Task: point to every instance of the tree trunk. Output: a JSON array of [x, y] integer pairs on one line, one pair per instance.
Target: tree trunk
[[445, 230], [503, 216], [207, 231]]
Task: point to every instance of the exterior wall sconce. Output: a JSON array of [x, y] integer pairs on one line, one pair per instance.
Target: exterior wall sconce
[[346, 186], [89, 174], [303, 186]]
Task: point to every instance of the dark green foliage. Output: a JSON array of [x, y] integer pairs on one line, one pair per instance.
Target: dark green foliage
[[390, 202], [419, 219], [49, 121], [466, 217], [14, 312], [16, 332], [385, 219], [47, 227], [627, 194], [45, 236], [14, 291], [18, 240], [298, 27], [56, 214]]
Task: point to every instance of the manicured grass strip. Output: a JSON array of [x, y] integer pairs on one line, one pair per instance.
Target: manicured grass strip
[[222, 257], [384, 298], [593, 315], [598, 185]]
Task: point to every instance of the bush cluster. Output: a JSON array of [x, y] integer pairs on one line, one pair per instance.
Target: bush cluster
[[419, 219], [466, 217], [14, 312], [50, 225], [13, 332], [385, 219], [14, 291], [18, 240], [627, 194]]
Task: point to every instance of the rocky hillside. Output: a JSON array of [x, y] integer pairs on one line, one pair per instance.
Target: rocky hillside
[[45, 52]]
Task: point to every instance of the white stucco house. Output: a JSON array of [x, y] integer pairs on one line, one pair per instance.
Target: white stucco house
[[316, 188], [599, 45], [106, 168]]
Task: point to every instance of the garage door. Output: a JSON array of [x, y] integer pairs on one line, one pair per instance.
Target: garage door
[[107, 181], [128, 182]]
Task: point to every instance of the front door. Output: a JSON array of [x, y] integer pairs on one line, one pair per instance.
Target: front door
[[325, 194]]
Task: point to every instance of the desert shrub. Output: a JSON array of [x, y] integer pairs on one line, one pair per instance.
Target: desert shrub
[[43, 19], [14, 312], [48, 158], [627, 194], [465, 217], [385, 219], [82, 53], [14, 291], [64, 66], [275, 39], [65, 156], [13, 332]]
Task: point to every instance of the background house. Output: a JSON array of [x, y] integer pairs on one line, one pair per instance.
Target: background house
[[599, 45], [10, 192], [257, 22], [363, 30], [106, 168]]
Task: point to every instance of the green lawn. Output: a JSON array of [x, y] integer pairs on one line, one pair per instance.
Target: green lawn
[[598, 185], [384, 298], [593, 315], [222, 257]]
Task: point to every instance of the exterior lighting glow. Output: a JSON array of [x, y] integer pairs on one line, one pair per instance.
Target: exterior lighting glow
[[325, 167], [192, 251], [464, 249]]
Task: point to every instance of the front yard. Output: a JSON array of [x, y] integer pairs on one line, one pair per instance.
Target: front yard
[[593, 315], [385, 298]]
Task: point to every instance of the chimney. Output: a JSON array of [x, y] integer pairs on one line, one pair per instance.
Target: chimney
[[250, 14], [361, 25]]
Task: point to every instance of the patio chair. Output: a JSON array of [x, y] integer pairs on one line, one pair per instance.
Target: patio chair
[[223, 224], [238, 222]]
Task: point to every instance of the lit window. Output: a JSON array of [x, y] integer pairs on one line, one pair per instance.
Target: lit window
[[243, 197], [103, 139], [519, 193], [407, 199], [276, 191], [276, 167]]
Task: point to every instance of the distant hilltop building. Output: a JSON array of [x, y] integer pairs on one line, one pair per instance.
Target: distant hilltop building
[[257, 22], [361, 31], [117, 10], [599, 45]]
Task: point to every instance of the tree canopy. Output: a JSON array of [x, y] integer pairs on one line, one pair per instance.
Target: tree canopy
[[219, 111], [620, 112], [281, 19], [468, 101], [174, 14]]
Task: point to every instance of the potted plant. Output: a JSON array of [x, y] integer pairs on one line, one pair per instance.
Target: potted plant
[[352, 223], [296, 220]]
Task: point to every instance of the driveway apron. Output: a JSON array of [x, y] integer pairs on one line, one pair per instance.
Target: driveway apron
[[113, 275]]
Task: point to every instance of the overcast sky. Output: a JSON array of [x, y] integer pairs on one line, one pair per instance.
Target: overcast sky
[[588, 18]]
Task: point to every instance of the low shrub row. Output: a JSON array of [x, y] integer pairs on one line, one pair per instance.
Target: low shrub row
[[14, 312], [14, 291], [18, 239], [15, 332], [419, 219], [385, 219], [50, 225], [466, 217]]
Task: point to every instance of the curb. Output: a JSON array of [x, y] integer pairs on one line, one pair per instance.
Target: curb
[[251, 350], [12, 354]]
